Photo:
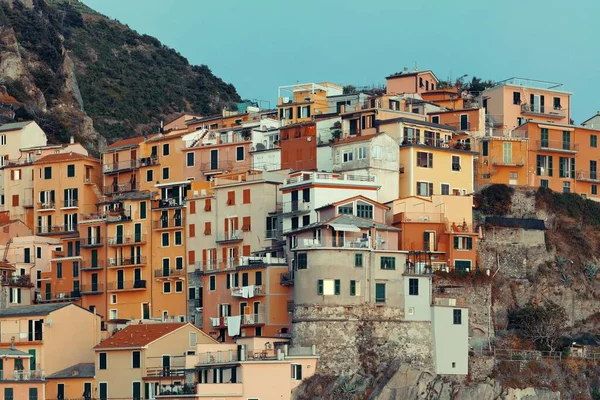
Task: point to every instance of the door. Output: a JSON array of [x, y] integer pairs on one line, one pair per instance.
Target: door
[[137, 232], [295, 200], [87, 390], [137, 274], [94, 282], [507, 153], [166, 364], [164, 219], [464, 122], [177, 218], [103, 390], [60, 391], [535, 103], [32, 360], [119, 234], [380, 292], [165, 267], [94, 259], [146, 311], [48, 291], [214, 159], [245, 279], [120, 279]]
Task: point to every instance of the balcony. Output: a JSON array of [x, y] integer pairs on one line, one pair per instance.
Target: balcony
[[162, 204], [92, 217], [45, 206], [126, 261], [121, 166], [247, 319], [22, 376], [172, 223], [87, 265], [90, 242], [588, 176], [22, 337], [509, 161], [459, 126], [327, 177], [212, 167], [169, 273], [92, 288], [126, 285], [286, 278], [230, 237], [27, 203], [16, 280], [154, 367], [117, 188], [56, 229], [359, 243], [546, 111], [70, 203], [127, 240], [53, 297], [247, 292], [118, 215], [273, 234], [22, 259], [558, 146], [232, 263], [149, 161], [436, 143], [296, 207]]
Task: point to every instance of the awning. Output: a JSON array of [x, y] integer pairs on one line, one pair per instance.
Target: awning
[[345, 227]]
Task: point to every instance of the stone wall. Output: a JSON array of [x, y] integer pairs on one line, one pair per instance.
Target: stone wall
[[481, 367], [362, 338]]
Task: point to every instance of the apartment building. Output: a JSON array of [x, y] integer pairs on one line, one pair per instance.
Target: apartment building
[[145, 360], [464, 120], [74, 382], [515, 100], [416, 82], [265, 151], [18, 377], [299, 103], [503, 159], [180, 122], [438, 232], [372, 155]]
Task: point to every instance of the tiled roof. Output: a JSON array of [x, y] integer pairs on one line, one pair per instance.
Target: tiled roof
[[356, 139], [14, 126], [23, 311], [51, 158], [131, 142], [83, 370], [138, 335]]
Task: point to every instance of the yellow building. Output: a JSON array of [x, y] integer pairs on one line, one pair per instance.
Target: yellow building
[[74, 382], [300, 102]]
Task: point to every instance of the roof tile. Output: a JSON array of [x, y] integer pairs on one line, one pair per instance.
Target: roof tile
[[138, 335]]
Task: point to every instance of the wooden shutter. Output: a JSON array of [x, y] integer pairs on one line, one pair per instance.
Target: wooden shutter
[[192, 256], [15, 200], [207, 230], [246, 196], [192, 230], [550, 165], [226, 224], [246, 224], [207, 205], [246, 251], [192, 206], [236, 224]]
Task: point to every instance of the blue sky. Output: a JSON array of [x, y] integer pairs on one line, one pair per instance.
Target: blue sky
[[260, 45]]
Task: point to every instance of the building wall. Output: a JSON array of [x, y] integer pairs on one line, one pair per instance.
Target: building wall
[[417, 307], [118, 373], [74, 387], [266, 160], [410, 83], [476, 119], [498, 167], [451, 341], [279, 382], [299, 147]]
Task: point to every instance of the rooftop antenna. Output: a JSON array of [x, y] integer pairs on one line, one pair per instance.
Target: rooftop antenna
[[416, 67]]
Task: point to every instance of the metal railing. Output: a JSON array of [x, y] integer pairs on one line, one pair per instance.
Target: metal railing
[[167, 273], [70, 203], [92, 216], [121, 166], [27, 202], [324, 176], [169, 223], [59, 296], [509, 161], [48, 230], [583, 175], [230, 236], [118, 215], [246, 319], [46, 205], [273, 234], [91, 241], [126, 261], [168, 203], [247, 291], [92, 288], [21, 375], [16, 280], [557, 145], [121, 187], [127, 285], [87, 265], [126, 239], [296, 206], [216, 166], [21, 337], [546, 110]]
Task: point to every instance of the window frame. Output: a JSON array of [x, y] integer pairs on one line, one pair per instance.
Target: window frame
[[102, 356], [413, 287], [133, 359], [457, 316], [392, 263]]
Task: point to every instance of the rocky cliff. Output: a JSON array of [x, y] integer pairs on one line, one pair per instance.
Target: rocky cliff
[[79, 73]]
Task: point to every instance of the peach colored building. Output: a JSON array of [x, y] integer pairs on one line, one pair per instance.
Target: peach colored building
[[301, 102], [180, 122], [74, 382], [411, 82], [18, 377], [503, 159], [467, 120]]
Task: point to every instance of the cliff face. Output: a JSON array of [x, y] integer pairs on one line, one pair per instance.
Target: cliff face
[[79, 73]]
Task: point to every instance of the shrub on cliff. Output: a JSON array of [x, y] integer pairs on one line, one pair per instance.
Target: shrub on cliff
[[495, 199], [543, 324]]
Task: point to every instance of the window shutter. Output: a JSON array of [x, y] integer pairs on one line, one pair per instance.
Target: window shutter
[[469, 243], [572, 168], [224, 253], [10, 299], [299, 372], [456, 239], [561, 166], [308, 111], [52, 196], [75, 194], [192, 207], [226, 224], [430, 156], [320, 286], [229, 276], [246, 251], [337, 286], [431, 189], [352, 288], [538, 163], [207, 205], [299, 112], [550, 165], [192, 256], [236, 223]]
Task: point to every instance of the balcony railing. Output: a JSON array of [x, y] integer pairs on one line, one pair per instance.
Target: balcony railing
[[122, 187], [591, 176], [70, 203], [21, 258], [169, 273], [247, 292], [92, 216], [216, 166], [27, 202], [126, 239], [168, 203], [59, 296], [92, 288], [549, 111], [232, 263], [459, 126], [16, 375], [127, 285], [121, 166], [324, 176], [347, 243], [169, 223], [287, 278], [246, 319], [119, 215], [55, 229], [296, 206], [273, 234], [16, 280], [46, 206], [22, 337], [557, 145], [509, 161], [149, 161], [91, 242], [431, 142], [89, 265], [126, 261], [230, 236]]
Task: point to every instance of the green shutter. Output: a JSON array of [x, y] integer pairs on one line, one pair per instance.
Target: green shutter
[[550, 165], [352, 288], [538, 169], [469, 243], [320, 286], [456, 239], [561, 168], [380, 292], [338, 285], [573, 168]]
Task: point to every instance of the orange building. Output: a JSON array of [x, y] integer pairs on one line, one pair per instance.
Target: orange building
[[411, 82], [446, 97], [469, 120], [301, 102], [503, 159], [299, 146]]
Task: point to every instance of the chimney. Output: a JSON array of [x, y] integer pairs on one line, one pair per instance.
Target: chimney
[[71, 139]]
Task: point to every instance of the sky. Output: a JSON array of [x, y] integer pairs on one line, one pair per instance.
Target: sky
[[262, 44]]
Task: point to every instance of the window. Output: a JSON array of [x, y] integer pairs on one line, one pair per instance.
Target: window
[[136, 391], [190, 159], [38, 252], [71, 170], [464, 122], [75, 269], [435, 119], [445, 189], [2, 140], [193, 339], [136, 361], [102, 360], [566, 187], [556, 103], [149, 175], [178, 287], [302, 261], [484, 149], [347, 156], [165, 239], [15, 200], [212, 283], [239, 153], [455, 163], [166, 149], [103, 388], [593, 140], [424, 189], [231, 198], [364, 211], [566, 167], [362, 153], [165, 173], [424, 160], [358, 260], [380, 292], [178, 238], [387, 263], [544, 165], [346, 209], [59, 271], [33, 394], [15, 174], [113, 299], [304, 112], [544, 137], [143, 210], [305, 220], [594, 189], [377, 151], [457, 314], [47, 172], [566, 144], [463, 243], [354, 288], [297, 372], [246, 196], [413, 287], [328, 287], [516, 98], [166, 287]]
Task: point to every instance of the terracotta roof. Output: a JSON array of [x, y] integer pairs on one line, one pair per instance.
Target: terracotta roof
[[138, 335], [51, 158], [131, 142]]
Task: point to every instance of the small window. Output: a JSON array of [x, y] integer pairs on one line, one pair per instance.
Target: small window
[[166, 287], [59, 270], [362, 153], [166, 149], [485, 148], [348, 156], [413, 287], [445, 189], [516, 98], [165, 239], [424, 189], [239, 153], [165, 173], [544, 183], [142, 210], [47, 172], [358, 260], [190, 159], [347, 209], [2, 140], [354, 288], [463, 243], [178, 238], [566, 187], [364, 211], [457, 317], [435, 119], [455, 163], [593, 140], [179, 287], [136, 361], [424, 160], [149, 175], [388, 263], [212, 283], [193, 339], [102, 361], [297, 372], [71, 170], [594, 189], [380, 292], [302, 261]]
